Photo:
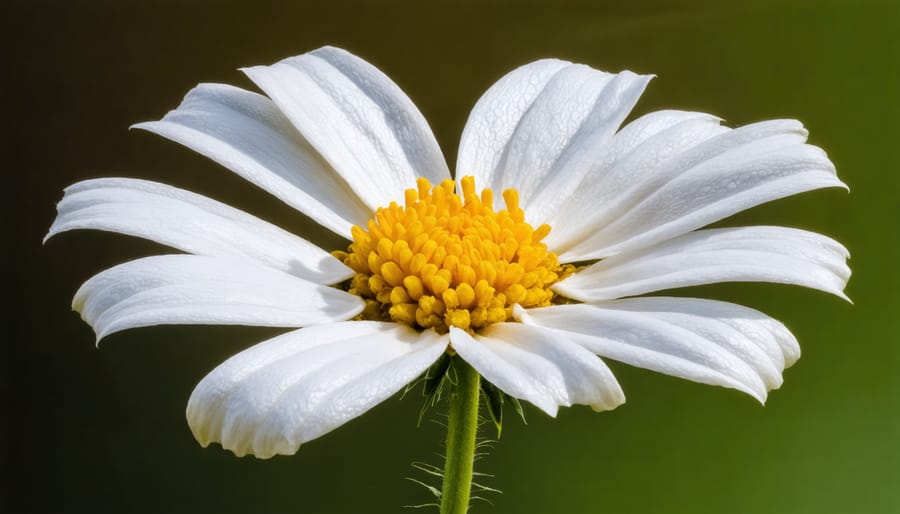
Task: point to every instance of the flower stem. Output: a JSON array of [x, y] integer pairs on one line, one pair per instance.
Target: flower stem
[[461, 427]]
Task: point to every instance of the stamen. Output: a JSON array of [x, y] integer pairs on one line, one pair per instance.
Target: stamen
[[444, 260]]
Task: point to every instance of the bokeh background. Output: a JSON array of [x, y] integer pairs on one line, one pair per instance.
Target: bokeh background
[[88, 430]]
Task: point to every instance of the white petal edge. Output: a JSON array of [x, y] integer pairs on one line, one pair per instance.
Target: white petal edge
[[704, 341], [533, 365], [360, 121], [191, 223], [746, 254], [724, 175], [246, 133], [193, 289], [541, 127], [273, 397]]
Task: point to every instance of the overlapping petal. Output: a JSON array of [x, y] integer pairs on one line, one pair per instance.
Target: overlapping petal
[[746, 254], [705, 341], [192, 223], [535, 365], [540, 128], [721, 176], [633, 156], [193, 289], [281, 393], [494, 119], [248, 134], [357, 119]]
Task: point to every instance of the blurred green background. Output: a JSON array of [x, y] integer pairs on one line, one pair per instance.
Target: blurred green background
[[90, 430]]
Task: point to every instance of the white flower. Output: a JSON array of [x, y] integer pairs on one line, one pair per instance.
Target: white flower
[[337, 140]]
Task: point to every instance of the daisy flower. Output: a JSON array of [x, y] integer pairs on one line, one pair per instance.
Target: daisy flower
[[526, 268]]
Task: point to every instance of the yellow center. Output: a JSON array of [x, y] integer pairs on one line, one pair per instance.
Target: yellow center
[[441, 260]]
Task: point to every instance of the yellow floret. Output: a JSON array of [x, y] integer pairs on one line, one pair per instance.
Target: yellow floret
[[444, 259]]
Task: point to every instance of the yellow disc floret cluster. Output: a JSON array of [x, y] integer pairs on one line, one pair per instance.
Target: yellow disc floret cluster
[[443, 260]]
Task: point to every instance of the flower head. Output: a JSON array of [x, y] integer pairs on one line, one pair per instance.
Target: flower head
[[528, 266]]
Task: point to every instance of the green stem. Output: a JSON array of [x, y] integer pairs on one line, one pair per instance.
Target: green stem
[[461, 426]]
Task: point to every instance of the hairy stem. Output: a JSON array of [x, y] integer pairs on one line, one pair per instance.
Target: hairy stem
[[461, 427]]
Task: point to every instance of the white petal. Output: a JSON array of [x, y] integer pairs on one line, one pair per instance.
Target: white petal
[[495, 117], [535, 365], [632, 157], [725, 174], [565, 155], [701, 340], [206, 409], [747, 254], [192, 289], [358, 119], [279, 394], [246, 133], [541, 128], [192, 223], [640, 130]]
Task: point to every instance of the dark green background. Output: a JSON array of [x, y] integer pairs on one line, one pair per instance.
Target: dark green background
[[90, 430]]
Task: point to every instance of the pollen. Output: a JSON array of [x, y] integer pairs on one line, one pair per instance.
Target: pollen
[[445, 259]]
